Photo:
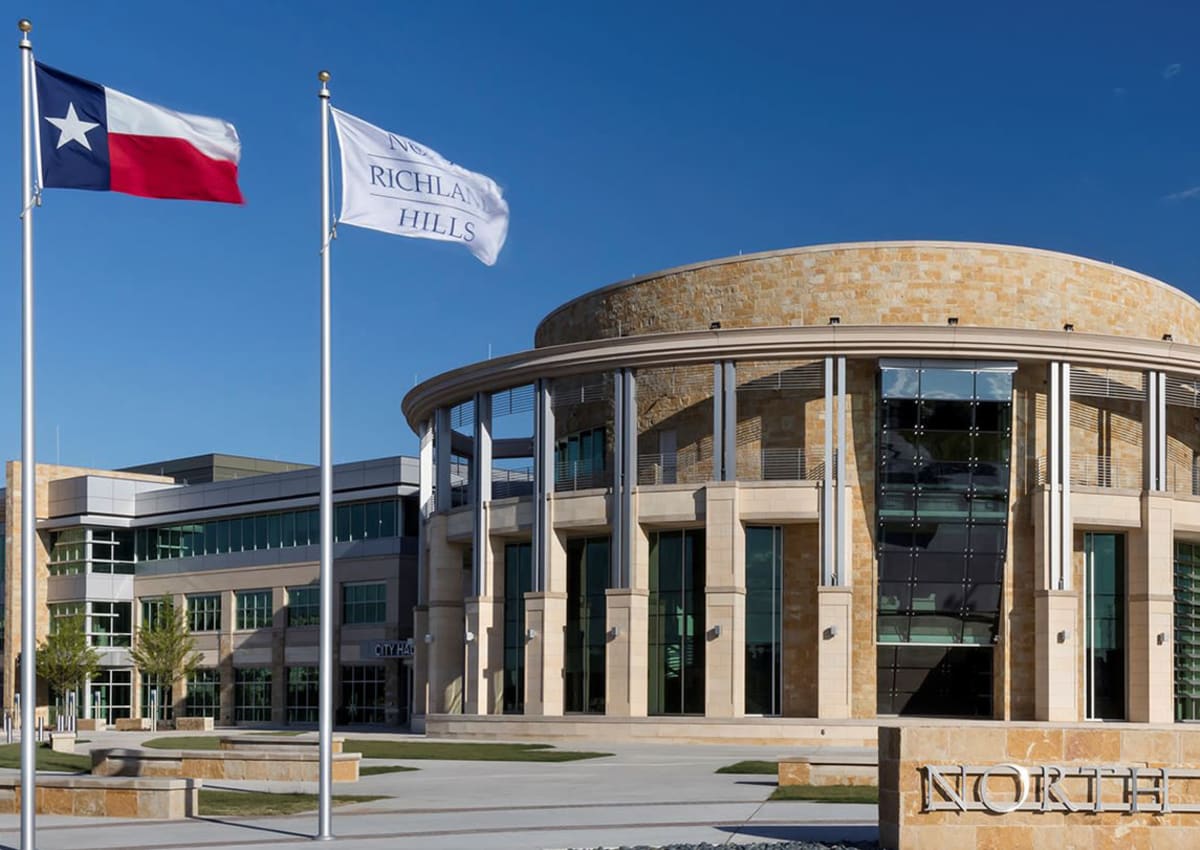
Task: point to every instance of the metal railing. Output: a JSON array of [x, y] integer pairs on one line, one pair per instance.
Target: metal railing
[[507, 483], [779, 463], [672, 468], [1183, 479], [580, 475], [1097, 471]]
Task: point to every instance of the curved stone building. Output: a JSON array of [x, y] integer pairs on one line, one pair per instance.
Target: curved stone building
[[837, 482]]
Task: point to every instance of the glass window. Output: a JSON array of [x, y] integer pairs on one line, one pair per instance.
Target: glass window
[[112, 623], [764, 620], [157, 698], [204, 613], [364, 694], [1187, 631], [518, 580], [112, 694], [252, 695], [1104, 609], [254, 609], [303, 695], [677, 624], [304, 606], [204, 693], [364, 604], [341, 523], [585, 635]]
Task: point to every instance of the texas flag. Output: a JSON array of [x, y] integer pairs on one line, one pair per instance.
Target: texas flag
[[94, 137]]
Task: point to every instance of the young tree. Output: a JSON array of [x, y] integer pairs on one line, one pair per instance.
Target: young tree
[[65, 659], [164, 651]]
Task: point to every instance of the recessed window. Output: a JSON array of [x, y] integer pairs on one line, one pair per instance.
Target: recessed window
[[364, 604], [254, 609]]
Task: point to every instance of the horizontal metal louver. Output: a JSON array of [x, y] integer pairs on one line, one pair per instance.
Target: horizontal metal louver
[[586, 390], [1183, 392], [513, 400], [462, 416], [1107, 383], [780, 376]]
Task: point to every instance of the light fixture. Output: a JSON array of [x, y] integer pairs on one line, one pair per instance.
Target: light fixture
[[831, 632], [1069, 326], [1064, 636], [1168, 338], [614, 632], [470, 636], [714, 632], [952, 321], [530, 634], [714, 326], [1162, 638], [835, 320]]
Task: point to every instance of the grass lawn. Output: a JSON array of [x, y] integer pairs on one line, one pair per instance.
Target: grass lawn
[[255, 803], [757, 768], [464, 751], [828, 793], [185, 742], [47, 759]]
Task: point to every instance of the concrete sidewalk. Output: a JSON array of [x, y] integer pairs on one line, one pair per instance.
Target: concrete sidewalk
[[642, 794]]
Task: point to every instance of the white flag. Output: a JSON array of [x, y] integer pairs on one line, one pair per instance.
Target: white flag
[[399, 186]]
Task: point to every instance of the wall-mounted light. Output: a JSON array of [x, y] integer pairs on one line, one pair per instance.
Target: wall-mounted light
[[714, 632], [1162, 638], [952, 321], [1168, 338], [530, 634], [470, 636], [614, 632], [835, 320], [1069, 326], [429, 638], [714, 326], [830, 633], [1064, 636]]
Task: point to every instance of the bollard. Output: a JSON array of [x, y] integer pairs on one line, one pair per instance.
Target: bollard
[[8, 727]]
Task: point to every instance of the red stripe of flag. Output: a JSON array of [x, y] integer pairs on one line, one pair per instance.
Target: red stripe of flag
[[164, 167]]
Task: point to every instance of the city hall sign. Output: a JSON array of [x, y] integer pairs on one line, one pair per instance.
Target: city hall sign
[[1127, 789]]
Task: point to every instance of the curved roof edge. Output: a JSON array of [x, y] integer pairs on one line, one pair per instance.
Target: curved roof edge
[[836, 246]]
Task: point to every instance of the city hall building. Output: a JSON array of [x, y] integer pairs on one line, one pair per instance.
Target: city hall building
[[234, 542], [838, 482]]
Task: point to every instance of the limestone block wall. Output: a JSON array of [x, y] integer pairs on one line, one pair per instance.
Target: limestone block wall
[[884, 283], [861, 423]]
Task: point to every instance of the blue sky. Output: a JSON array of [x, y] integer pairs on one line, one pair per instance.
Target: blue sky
[[627, 137]]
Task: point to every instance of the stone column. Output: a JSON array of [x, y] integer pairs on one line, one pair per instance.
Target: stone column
[[725, 604], [1151, 629], [420, 676], [225, 654], [1058, 635], [835, 624], [279, 677], [485, 655], [545, 622], [444, 623], [625, 660]]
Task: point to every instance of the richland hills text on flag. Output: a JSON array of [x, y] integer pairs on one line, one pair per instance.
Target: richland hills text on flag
[[396, 185], [94, 137]]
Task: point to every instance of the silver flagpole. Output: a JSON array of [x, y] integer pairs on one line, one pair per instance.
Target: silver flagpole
[[28, 467], [325, 790]]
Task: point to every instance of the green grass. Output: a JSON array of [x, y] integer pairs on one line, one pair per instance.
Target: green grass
[[47, 759], [258, 803], [185, 742], [828, 793], [376, 769], [464, 751], [757, 768]]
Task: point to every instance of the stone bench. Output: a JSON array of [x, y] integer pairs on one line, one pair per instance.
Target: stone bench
[[831, 767], [99, 797], [133, 724], [278, 743], [91, 724], [270, 765], [62, 742], [193, 724]]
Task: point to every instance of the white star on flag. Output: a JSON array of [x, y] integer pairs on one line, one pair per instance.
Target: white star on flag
[[73, 129]]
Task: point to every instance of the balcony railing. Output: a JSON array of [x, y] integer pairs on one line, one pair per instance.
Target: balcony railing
[[1183, 479], [1096, 471], [579, 475], [672, 468], [507, 483], [780, 463]]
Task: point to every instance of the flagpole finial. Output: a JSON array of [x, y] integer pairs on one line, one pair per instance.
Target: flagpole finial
[[323, 76], [25, 25]]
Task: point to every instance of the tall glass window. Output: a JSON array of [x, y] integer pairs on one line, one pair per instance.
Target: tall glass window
[[1187, 631], [676, 659], [204, 612], [364, 604], [304, 605], [764, 619], [303, 695], [587, 579], [252, 695], [945, 435], [518, 580], [204, 693], [112, 694], [1104, 610], [364, 688], [112, 623], [254, 609]]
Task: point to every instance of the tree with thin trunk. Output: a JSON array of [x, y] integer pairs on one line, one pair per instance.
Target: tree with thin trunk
[[65, 659], [165, 650]]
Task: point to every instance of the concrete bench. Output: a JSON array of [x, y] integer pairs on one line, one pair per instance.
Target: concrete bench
[[91, 724], [133, 724], [193, 724], [280, 743], [280, 766], [112, 797], [832, 767], [62, 742]]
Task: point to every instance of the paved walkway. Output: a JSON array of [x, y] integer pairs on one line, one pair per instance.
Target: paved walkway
[[643, 794]]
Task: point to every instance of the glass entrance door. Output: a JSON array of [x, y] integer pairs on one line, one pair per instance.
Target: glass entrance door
[[1104, 618]]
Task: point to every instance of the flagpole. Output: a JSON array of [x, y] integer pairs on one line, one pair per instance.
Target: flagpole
[[325, 812], [28, 467]]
